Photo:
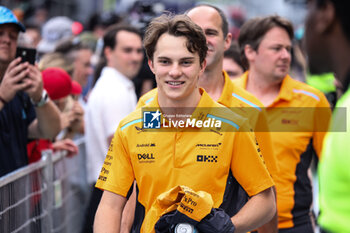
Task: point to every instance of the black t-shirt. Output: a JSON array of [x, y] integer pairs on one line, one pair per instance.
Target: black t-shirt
[[15, 117]]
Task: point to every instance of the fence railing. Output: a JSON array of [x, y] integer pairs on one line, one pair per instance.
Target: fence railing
[[47, 196]]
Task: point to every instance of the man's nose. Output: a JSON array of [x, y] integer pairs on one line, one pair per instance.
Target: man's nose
[[285, 53], [175, 71]]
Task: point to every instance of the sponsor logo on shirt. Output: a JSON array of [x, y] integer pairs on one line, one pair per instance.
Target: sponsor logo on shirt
[[146, 158], [139, 129], [207, 146], [289, 121], [207, 158], [146, 145]]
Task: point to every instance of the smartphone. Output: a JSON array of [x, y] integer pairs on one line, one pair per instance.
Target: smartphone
[[27, 54]]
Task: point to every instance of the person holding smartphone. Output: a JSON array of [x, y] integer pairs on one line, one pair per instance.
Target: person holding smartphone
[[25, 109]]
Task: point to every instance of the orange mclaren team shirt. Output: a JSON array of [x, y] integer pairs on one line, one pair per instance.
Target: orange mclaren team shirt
[[197, 158], [298, 119], [244, 104]]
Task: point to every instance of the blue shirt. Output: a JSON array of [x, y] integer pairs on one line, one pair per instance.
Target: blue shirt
[[15, 117]]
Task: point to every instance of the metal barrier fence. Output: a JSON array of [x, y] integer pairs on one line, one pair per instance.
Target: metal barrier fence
[[47, 196]]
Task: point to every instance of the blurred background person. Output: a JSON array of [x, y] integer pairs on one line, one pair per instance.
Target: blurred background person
[[55, 30], [232, 63], [112, 98], [72, 115], [78, 52], [58, 85], [328, 48], [297, 134], [25, 109]]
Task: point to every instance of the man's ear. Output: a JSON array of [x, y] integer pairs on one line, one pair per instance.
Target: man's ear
[[228, 41], [326, 18], [203, 65], [150, 64], [249, 52], [107, 52]]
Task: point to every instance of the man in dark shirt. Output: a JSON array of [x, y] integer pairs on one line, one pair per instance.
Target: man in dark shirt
[[25, 109]]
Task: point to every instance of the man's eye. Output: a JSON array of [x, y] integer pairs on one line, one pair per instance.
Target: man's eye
[[13, 36], [163, 62], [187, 63]]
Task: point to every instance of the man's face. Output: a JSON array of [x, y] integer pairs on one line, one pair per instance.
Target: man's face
[[82, 66], [8, 42], [314, 41], [232, 68], [210, 22], [176, 69], [127, 55], [272, 58]]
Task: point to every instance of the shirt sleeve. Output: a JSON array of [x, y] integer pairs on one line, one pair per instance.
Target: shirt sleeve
[[117, 174], [248, 165], [263, 136], [322, 118]]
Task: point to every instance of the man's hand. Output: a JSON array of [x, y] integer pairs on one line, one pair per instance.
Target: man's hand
[[216, 222], [77, 124], [14, 79], [34, 81], [195, 205], [67, 145]]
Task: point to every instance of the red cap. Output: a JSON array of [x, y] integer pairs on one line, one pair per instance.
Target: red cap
[[57, 82], [76, 88]]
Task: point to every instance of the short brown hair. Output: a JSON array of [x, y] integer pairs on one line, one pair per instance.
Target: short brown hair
[[175, 25], [110, 39], [254, 30]]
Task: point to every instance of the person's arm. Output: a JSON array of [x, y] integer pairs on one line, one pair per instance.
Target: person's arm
[[272, 225], [109, 213], [47, 124], [129, 212], [257, 211], [262, 133], [261, 206]]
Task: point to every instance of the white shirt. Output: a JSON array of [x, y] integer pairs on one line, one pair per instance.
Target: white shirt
[[112, 99]]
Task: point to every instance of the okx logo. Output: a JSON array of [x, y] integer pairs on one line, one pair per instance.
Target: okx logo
[[151, 119]]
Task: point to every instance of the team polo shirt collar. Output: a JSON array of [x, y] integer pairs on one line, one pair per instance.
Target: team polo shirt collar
[[286, 90], [226, 94], [201, 112], [243, 80]]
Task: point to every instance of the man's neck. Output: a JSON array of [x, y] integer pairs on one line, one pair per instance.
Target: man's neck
[[114, 68], [262, 87], [213, 82], [183, 106]]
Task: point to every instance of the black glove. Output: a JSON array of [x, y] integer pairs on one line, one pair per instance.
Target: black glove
[[167, 222], [216, 222]]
